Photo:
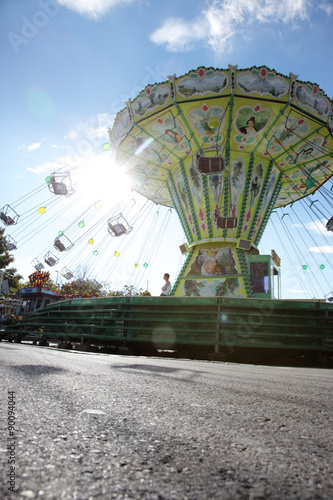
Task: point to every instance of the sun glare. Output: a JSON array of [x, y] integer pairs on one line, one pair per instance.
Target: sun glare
[[102, 179]]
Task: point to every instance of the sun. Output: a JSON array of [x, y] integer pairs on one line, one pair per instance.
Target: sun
[[100, 178]]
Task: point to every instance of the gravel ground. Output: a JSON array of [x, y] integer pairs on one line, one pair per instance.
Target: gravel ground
[[93, 426]]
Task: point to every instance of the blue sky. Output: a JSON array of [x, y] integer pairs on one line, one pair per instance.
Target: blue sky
[[68, 66]]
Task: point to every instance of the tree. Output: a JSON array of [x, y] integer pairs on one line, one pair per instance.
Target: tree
[[5, 259], [130, 291], [82, 286], [13, 280]]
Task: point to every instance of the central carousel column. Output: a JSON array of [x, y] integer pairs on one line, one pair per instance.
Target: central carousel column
[[228, 230], [215, 264]]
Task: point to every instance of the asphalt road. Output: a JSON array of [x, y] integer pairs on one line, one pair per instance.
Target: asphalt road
[[90, 426]]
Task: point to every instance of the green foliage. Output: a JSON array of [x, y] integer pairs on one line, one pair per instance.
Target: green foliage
[[13, 280], [5, 257], [195, 176], [129, 291], [82, 286], [236, 176], [10, 274], [49, 285], [227, 286], [193, 288]]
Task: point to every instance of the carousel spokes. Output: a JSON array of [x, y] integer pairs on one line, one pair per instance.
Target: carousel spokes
[[117, 226], [50, 259], [62, 243], [60, 183], [8, 215], [37, 264], [209, 161], [229, 221], [10, 243], [66, 273]]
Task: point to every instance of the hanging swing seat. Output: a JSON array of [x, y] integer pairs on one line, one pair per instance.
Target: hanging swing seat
[[226, 222], [329, 224], [223, 221], [66, 273], [37, 265], [50, 259], [59, 246], [62, 243], [117, 226], [60, 184], [10, 244], [209, 162], [8, 215]]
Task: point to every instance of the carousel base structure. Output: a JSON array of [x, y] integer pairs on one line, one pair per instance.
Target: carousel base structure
[[250, 330], [229, 269]]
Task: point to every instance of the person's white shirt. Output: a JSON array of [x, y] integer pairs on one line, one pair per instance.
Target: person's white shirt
[[166, 288]]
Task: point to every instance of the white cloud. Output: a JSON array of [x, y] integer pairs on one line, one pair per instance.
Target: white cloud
[[324, 249], [91, 8], [34, 146], [224, 19], [96, 126], [180, 35], [316, 226], [48, 167], [319, 228], [326, 6]]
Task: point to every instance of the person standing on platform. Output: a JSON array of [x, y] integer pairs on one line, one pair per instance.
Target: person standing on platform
[[167, 286]]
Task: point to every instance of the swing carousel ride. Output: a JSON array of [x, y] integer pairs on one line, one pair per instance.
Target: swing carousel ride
[[226, 148]]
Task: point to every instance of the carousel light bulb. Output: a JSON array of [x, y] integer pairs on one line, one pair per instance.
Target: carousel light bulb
[[213, 122]]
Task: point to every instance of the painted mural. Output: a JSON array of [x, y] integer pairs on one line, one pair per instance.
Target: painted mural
[[210, 262], [181, 189], [145, 147], [202, 82], [215, 186], [237, 179], [249, 121], [287, 132], [307, 152], [257, 180], [150, 98], [312, 98], [320, 169], [267, 198], [208, 121], [121, 125], [196, 183], [262, 81], [269, 190], [182, 215], [169, 130], [227, 287]]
